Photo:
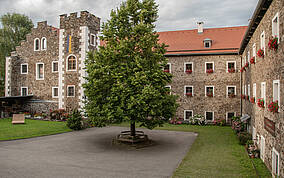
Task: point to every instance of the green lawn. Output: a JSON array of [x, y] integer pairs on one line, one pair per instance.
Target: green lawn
[[32, 128], [215, 153]]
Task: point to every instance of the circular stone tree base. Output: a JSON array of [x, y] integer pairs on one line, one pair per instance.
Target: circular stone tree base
[[140, 140]]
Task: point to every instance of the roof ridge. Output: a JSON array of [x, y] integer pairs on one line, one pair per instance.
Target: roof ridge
[[192, 30]]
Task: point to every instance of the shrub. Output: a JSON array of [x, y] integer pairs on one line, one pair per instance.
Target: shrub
[[197, 120], [220, 122], [75, 122], [237, 125], [244, 137]]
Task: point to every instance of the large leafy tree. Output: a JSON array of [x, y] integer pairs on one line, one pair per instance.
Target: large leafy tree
[[125, 76], [14, 28]]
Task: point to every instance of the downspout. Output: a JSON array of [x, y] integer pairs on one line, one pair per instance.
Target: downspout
[[241, 87]]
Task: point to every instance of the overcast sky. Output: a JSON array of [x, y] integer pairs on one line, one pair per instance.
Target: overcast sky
[[173, 14]]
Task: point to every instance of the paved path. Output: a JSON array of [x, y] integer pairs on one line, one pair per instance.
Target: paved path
[[89, 153]]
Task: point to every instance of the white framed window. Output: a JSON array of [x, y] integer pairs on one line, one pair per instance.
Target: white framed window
[[55, 93], [254, 50], [263, 91], [209, 91], [36, 44], [39, 71], [207, 43], [188, 90], [275, 162], [209, 115], [243, 61], [93, 39], [168, 68], [54, 66], [188, 67], [230, 115], [24, 91], [170, 88], [254, 90], [231, 66], [254, 134], [24, 68], [276, 91], [231, 91], [70, 90], [209, 67], [245, 89], [248, 90], [275, 26], [262, 147], [248, 56], [187, 114], [262, 41], [43, 43], [71, 63]]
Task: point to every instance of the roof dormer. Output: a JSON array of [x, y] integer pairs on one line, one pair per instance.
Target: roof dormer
[[207, 43]]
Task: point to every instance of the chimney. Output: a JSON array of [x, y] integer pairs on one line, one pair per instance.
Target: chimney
[[200, 27]]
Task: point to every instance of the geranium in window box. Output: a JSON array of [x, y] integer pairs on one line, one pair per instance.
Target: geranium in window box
[[167, 70], [231, 70], [209, 94], [247, 65], [273, 43], [209, 71], [260, 102], [188, 71], [188, 94], [231, 95], [247, 97], [260, 53], [252, 100], [243, 96], [273, 107], [252, 60]]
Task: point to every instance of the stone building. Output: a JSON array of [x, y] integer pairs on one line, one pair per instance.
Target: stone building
[[205, 65], [263, 82], [49, 64]]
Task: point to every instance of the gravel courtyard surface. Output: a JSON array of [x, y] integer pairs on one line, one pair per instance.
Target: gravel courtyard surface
[[90, 153]]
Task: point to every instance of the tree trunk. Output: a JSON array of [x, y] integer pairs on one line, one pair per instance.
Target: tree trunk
[[132, 129]]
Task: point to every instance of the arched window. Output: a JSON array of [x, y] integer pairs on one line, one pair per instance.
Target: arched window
[[43, 43], [71, 63], [36, 44]]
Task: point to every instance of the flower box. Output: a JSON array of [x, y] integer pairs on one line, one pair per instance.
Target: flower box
[[252, 60], [242, 69], [209, 71], [166, 70], [273, 107], [231, 95], [247, 97], [188, 71], [209, 94], [232, 70], [188, 94], [247, 65], [260, 102], [252, 100], [273, 44], [243, 96], [260, 53]]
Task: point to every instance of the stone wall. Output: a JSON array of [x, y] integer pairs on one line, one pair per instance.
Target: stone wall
[[267, 69]]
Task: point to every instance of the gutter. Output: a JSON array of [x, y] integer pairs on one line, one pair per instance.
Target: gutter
[[202, 54]]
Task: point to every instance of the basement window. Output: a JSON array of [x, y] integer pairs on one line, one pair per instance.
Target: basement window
[[188, 114]]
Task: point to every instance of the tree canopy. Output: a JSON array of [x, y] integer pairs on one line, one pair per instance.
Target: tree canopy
[[126, 81], [14, 28]]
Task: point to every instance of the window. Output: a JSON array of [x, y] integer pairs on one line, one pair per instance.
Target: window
[[248, 90], [24, 91], [262, 147], [188, 67], [209, 116], [39, 71], [188, 114], [254, 90], [275, 162], [276, 91], [36, 44], [254, 134], [262, 41], [71, 63], [209, 91], [207, 43], [245, 90], [248, 56], [230, 115], [254, 50], [54, 66], [231, 66], [169, 89], [275, 26], [209, 67], [168, 68], [244, 61], [231, 91], [93, 40], [24, 68], [263, 91], [188, 90], [70, 91], [43, 43], [54, 92]]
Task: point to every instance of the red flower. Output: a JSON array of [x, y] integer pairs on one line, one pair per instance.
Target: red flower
[[252, 100], [273, 43], [167, 70], [260, 53], [273, 107], [260, 102], [247, 65], [209, 94], [252, 60], [209, 71], [188, 94], [231, 70], [188, 71]]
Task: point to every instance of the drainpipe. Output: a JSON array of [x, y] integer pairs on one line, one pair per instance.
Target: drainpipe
[[241, 87]]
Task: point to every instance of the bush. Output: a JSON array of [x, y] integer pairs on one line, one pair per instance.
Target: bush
[[197, 120], [244, 137], [75, 122]]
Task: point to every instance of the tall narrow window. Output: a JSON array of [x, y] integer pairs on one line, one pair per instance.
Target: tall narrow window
[[24, 68], [230, 115], [248, 90], [248, 56], [275, 163], [254, 90], [209, 91], [231, 91], [39, 71], [263, 91], [254, 50], [93, 39], [262, 147], [55, 66], [43, 43], [262, 41], [209, 67], [276, 91], [188, 67], [209, 116], [275, 26], [188, 90], [70, 91], [167, 68], [71, 63], [54, 92], [36, 44], [24, 91], [188, 114], [231, 66]]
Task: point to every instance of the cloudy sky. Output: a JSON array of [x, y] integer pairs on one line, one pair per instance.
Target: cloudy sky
[[173, 14]]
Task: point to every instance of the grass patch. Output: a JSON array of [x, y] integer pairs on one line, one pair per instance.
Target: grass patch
[[215, 153], [261, 168], [32, 128]]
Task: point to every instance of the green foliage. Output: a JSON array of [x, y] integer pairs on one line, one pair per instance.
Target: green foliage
[[125, 77], [75, 122], [15, 27], [244, 137]]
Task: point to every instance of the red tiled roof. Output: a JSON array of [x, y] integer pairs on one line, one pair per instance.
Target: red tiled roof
[[224, 40]]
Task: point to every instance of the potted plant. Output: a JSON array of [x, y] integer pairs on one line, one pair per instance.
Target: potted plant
[[232, 95], [27, 115], [231, 70], [209, 94], [188, 71], [209, 71], [252, 60], [260, 102], [247, 64], [260, 53], [247, 97], [273, 43], [252, 100], [188, 94], [273, 107]]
